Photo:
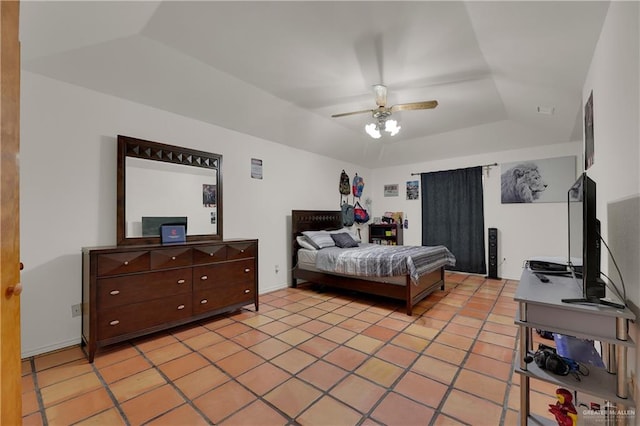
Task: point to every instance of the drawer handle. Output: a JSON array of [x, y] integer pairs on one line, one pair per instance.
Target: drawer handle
[[247, 291], [180, 281], [114, 292], [210, 254], [180, 307], [242, 251], [203, 301], [173, 258], [247, 270], [126, 262], [114, 322], [204, 278]]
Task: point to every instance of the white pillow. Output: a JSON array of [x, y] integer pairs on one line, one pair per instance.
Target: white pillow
[[304, 242], [349, 231], [321, 239]]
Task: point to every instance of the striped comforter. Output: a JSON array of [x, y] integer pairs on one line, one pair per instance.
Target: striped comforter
[[374, 260]]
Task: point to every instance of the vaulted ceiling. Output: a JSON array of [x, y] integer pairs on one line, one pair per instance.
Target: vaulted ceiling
[[279, 70]]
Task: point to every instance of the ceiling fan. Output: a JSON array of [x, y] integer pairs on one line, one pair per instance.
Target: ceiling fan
[[382, 113]]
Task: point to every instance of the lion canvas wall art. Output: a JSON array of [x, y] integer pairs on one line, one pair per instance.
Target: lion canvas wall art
[[537, 181]]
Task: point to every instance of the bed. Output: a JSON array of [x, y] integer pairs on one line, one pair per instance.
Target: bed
[[400, 287]]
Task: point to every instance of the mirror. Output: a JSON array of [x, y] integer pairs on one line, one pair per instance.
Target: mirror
[[161, 184]]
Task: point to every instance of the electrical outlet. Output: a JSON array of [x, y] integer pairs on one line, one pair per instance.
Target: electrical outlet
[[76, 310]]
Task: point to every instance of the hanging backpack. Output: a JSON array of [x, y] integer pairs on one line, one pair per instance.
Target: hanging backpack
[[348, 214], [345, 188], [360, 213], [357, 186]]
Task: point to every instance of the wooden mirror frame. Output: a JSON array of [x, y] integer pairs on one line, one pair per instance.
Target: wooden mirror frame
[[155, 151]]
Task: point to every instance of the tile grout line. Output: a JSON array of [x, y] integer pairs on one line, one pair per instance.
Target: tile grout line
[[231, 378], [451, 386], [113, 398], [171, 383], [389, 389], [323, 392], [38, 390]]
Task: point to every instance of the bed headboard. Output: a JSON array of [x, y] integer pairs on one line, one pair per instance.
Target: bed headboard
[[311, 220], [314, 220]]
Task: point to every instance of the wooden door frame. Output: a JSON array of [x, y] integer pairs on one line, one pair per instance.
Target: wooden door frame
[[10, 363]]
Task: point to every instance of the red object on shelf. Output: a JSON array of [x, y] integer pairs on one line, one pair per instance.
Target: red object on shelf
[[563, 410]]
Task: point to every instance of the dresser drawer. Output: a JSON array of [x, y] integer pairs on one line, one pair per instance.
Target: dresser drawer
[[222, 295], [227, 272], [118, 291], [139, 316], [171, 258], [123, 263], [241, 250], [209, 254]]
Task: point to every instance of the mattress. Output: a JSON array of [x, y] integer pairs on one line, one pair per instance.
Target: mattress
[[307, 261], [374, 260]]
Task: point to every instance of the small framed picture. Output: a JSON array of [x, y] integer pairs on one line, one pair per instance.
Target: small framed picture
[[256, 168], [172, 234], [413, 190], [209, 195], [391, 190]]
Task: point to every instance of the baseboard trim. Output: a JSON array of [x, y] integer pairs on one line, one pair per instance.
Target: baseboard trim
[[272, 288], [51, 348]]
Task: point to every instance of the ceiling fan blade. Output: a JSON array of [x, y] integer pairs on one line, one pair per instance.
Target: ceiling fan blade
[[414, 105], [380, 93], [352, 113]]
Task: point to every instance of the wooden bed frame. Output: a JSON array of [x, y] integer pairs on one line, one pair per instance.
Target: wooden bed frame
[[314, 220]]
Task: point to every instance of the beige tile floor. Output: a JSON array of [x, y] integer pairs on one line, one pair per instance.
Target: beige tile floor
[[306, 358]]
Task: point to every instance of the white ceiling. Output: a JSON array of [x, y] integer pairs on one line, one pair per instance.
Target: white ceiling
[[278, 70]]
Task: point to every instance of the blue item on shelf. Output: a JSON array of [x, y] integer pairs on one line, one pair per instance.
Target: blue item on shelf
[[579, 350]]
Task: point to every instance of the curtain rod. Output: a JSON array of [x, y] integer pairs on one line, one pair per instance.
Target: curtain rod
[[488, 166]]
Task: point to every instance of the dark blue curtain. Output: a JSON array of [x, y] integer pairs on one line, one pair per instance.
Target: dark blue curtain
[[453, 216]]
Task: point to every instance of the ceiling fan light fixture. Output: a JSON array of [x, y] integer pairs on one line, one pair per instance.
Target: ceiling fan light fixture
[[392, 127], [380, 93], [372, 130]]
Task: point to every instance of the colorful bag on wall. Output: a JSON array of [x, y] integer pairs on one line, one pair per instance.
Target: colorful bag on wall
[[345, 188], [360, 213], [357, 186]]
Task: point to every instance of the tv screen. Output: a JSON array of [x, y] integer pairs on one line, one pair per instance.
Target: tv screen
[[151, 224], [584, 237]]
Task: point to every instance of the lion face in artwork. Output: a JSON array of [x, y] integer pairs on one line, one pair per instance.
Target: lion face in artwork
[[522, 184]]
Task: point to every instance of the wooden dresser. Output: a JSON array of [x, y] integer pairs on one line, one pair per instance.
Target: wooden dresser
[[131, 291]]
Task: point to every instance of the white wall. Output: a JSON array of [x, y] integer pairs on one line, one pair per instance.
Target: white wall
[[68, 193], [524, 230], [614, 78]]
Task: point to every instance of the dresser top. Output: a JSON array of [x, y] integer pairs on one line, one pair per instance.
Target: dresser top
[[124, 248]]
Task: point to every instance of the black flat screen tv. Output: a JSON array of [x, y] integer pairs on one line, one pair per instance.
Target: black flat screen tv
[[584, 240]]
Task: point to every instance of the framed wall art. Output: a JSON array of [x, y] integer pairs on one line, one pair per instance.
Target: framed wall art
[[588, 132], [413, 190], [537, 181], [391, 190]]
